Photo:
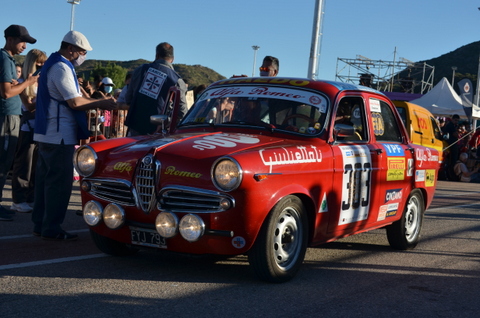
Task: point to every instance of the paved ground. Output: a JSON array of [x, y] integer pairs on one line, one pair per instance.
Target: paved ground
[[354, 277]]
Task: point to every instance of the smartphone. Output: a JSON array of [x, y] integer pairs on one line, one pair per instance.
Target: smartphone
[[37, 72]]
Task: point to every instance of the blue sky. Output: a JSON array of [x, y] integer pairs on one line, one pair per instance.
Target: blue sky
[[219, 34]]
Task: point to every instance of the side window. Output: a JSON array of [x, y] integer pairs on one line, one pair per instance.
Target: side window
[[384, 124], [351, 112], [436, 129]]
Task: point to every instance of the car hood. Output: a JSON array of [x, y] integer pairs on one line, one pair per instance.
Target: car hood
[[195, 146]]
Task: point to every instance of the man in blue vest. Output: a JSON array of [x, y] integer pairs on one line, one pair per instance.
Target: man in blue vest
[[16, 37], [148, 90], [60, 122]]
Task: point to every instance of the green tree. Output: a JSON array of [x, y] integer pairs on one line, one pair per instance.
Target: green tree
[[112, 70]]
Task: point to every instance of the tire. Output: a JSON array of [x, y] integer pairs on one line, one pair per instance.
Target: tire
[[281, 244], [404, 234], [109, 246]]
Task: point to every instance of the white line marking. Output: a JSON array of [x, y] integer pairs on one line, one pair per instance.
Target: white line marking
[[52, 261], [451, 207], [14, 237]]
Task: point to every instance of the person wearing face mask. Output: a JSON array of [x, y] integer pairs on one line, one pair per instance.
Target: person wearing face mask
[[60, 122], [107, 87]]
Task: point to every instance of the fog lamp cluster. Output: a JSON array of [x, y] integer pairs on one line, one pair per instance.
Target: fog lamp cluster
[[113, 215], [191, 226]]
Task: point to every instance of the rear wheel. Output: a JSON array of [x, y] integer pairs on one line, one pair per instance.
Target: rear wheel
[[405, 233], [280, 247], [109, 246]]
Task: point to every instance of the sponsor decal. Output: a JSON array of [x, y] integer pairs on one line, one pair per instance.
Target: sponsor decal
[[382, 212], [324, 204], [356, 184], [396, 169], [393, 195], [424, 155], [289, 156], [152, 83], [223, 140], [269, 92], [123, 166], [391, 209], [375, 105], [419, 175], [394, 150], [378, 124], [171, 170], [238, 242], [429, 178]]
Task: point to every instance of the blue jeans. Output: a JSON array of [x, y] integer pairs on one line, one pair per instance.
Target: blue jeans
[[53, 187]]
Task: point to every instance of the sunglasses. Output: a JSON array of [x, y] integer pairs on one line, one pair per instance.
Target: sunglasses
[[264, 69]]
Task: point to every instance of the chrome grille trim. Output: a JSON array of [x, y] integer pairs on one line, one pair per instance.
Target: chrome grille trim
[[182, 199], [145, 178], [113, 190]]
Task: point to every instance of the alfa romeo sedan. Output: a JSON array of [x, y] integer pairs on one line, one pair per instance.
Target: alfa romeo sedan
[[263, 167]]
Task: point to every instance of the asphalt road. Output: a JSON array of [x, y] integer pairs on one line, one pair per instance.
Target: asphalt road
[[360, 276]]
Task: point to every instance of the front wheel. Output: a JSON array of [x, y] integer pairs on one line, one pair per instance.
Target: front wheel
[[280, 247], [405, 233]]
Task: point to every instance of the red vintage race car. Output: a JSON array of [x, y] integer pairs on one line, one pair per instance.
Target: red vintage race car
[[264, 167]]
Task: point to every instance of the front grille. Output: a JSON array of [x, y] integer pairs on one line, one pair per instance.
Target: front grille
[[192, 200], [145, 180], [117, 191]]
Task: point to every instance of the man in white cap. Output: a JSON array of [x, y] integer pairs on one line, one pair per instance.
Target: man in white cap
[[60, 123], [16, 37]]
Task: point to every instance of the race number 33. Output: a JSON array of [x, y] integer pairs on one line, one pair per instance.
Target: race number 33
[[356, 187]]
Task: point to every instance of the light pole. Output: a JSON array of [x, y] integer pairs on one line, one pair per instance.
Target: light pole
[[255, 49], [454, 68], [73, 3]]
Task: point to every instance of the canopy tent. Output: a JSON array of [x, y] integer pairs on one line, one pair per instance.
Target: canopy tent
[[442, 100]]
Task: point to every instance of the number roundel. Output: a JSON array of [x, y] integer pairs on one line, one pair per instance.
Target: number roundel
[[378, 124]]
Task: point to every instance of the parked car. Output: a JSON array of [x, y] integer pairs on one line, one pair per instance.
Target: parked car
[[264, 167], [422, 127]]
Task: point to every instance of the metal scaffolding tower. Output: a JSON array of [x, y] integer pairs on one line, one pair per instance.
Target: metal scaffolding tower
[[388, 76]]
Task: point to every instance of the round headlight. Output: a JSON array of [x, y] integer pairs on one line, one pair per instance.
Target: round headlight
[[84, 161], [113, 216], [92, 213], [227, 174], [191, 227], [166, 224]]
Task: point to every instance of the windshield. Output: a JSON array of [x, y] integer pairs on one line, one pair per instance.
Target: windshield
[[279, 108]]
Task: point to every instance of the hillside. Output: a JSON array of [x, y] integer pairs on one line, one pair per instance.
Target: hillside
[[465, 58], [193, 74]]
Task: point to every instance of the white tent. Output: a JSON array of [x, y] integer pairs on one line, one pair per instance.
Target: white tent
[[442, 100]]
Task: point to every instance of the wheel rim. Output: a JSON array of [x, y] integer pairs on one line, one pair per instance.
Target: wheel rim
[[412, 219], [287, 238]]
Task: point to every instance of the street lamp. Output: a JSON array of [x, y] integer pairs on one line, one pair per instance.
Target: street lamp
[[255, 49], [73, 3], [454, 68]]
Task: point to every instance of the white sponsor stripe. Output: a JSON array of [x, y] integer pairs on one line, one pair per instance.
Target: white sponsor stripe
[[52, 261]]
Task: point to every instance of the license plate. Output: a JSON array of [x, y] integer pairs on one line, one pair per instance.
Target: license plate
[[147, 237]]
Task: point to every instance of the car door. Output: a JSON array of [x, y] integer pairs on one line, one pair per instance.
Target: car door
[[356, 168], [396, 162]]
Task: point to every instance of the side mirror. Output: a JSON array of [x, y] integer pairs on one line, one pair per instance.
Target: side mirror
[[159, 120]]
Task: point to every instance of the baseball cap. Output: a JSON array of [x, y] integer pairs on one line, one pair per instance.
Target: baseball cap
[[107, 81], [78, 39], [19, 31]]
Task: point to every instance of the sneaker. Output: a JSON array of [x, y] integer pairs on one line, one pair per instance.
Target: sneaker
[[4, 215], [62, 236], [21, 207], [30, 204]]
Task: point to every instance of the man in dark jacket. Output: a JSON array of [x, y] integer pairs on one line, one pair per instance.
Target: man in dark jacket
[[148, 92]]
